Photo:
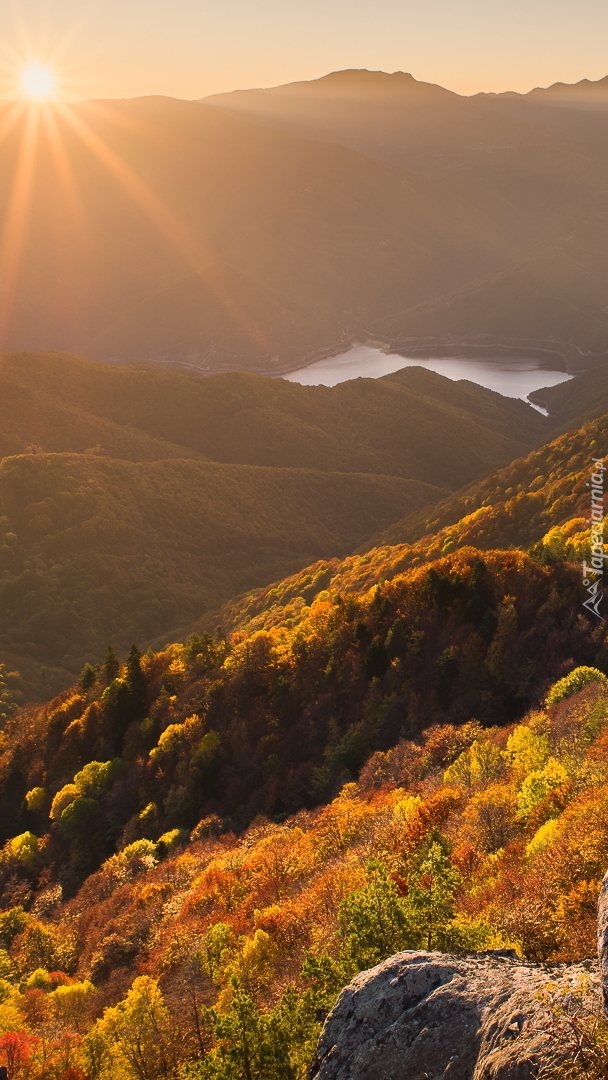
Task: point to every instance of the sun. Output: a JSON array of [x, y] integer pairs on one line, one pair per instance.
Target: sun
[[38, 81]]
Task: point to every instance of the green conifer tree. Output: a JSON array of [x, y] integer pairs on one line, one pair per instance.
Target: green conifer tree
[[136, 682], [87, 677], [111, 666]]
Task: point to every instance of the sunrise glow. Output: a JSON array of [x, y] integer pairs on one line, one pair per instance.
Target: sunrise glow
[[38, 82]]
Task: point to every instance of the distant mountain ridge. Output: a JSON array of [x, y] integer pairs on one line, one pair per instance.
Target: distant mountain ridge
[[357, 83], [266, 228], [547, 292], [132, 499], [362, 82], [57, 403], [581, 93]]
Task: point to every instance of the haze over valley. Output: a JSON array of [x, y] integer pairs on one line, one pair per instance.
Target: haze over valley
[[265, 229]]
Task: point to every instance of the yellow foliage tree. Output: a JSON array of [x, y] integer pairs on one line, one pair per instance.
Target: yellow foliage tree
[[526, 750], [137, 1037], [480, 763], [537, 786], [490, 816]]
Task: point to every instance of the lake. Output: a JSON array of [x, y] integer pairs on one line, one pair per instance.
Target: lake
[[510, 376]]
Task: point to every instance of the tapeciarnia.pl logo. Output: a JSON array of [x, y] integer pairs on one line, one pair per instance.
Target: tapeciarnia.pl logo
[[593, 572]]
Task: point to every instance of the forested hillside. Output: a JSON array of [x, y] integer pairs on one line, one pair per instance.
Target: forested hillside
[[97, 549], [57, 403], [218, 953], [94, 549], [276, 719], [544, 496], [403, 748], [291, 677], [133, 500], [538, 503]]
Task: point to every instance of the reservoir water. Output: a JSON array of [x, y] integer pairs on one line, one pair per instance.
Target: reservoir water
[[510, 376]]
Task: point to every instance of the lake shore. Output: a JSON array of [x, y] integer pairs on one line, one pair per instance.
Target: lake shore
[[552, 356], [503, 372]]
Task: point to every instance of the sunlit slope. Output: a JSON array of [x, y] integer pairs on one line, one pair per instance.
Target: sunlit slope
[[515, 506], [157, 227], [413, 424], [94, 549], [262, 927], [278, 718], [539, 502]]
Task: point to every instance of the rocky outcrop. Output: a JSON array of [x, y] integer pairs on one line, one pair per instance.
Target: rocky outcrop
[[602, 938], [435, 1016]]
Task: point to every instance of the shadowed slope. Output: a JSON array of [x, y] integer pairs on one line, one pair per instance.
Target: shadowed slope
[[586, 400], [413, 424], [94, 549], [508, 165]]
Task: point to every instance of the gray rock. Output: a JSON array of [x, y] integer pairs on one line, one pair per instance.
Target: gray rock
[[602, 938], [435, 1016]]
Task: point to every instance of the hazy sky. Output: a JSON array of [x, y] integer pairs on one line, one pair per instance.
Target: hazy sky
[[189, 48]]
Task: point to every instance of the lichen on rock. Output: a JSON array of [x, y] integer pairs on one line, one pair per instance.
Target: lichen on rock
[[437, 1016]]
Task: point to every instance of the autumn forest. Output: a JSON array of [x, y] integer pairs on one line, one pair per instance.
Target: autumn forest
[[295, 677], [205, 836]]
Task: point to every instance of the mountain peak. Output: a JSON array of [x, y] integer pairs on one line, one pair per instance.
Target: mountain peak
[[349, 83], [584, 89]]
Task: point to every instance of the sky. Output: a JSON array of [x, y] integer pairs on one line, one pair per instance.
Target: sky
[[191, 48]]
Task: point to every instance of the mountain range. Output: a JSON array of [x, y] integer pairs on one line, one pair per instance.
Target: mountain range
[[583, 94], [264, 228]]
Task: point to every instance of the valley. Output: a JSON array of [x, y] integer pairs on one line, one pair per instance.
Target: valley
[[133, 500], [507, 375]]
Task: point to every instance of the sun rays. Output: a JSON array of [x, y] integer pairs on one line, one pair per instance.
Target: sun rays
[[43, 143], [54, 125], [194, 254], [15, 225]]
